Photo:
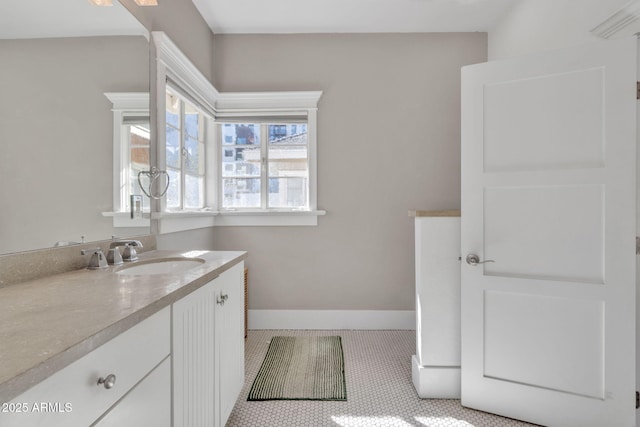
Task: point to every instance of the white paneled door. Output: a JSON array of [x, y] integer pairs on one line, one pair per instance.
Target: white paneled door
[[549, 195]]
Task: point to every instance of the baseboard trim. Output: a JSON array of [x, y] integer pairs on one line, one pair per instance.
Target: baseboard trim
[[435, 382], [332, 319]]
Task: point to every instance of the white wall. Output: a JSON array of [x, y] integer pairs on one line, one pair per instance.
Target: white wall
[[536, 25], [388, 142]]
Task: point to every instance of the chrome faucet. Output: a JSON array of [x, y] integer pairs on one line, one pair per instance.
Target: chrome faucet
[[129, 253], [114, 257], [97, 258]]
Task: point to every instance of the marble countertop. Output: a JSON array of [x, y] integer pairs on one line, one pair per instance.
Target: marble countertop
[[48, 323]]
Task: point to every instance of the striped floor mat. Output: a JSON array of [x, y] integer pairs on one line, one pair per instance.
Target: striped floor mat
[[301, 368]]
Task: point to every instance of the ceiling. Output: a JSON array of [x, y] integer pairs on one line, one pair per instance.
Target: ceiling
[[21, 19], [350, 16]]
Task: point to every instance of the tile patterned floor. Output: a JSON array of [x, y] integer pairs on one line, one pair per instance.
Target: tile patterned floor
[[379, 389]]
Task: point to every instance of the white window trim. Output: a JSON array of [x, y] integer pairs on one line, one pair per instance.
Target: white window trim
[[173, 64], [124, 104], [273, 104]]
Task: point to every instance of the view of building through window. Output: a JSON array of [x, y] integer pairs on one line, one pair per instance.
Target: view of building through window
[[264, 165]]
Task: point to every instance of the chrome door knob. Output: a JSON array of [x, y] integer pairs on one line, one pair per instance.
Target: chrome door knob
[[473, 259], [108, 382]]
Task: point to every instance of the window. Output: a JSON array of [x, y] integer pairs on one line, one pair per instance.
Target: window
[[131, 145], [234, 158], [264, 166], [187, 128]]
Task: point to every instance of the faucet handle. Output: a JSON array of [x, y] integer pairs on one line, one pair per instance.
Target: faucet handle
[[129, 253], [114, 257], [97, 260]]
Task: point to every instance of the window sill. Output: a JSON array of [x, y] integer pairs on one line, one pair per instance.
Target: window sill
[[171, 222], [268, 218]]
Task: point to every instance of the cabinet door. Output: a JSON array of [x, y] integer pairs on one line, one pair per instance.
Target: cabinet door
[[148, 404], [194, 358], [230, 338]]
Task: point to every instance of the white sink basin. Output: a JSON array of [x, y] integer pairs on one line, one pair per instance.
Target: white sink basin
[[161, 266]]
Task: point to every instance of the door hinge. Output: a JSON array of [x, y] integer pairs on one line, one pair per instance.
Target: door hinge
[[637, 399]]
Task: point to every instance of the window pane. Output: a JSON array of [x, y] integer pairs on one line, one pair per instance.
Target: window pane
[[288, 133], [288, 192], [287, 165], [173, 110], [228, 133], [173, 193], [192, 120], [288, 161], [240, 134], [240, 161], [194, 162], [241, 193], [173, 147], [277, 132], [194, 192]]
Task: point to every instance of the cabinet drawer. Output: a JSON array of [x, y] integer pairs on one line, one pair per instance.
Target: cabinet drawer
[[72, 396], [148, 404]]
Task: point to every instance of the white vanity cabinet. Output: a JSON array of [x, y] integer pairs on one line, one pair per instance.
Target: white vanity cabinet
[[436, 364], [230, 340], [181, 366], [208, 351], [73, 396], [148, 404]]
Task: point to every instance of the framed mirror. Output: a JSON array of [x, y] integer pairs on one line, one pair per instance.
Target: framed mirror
[[58, 59]]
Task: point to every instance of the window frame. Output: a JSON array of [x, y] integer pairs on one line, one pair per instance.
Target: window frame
[[207, 138], [263, 121], [125, 104], [172, 65]]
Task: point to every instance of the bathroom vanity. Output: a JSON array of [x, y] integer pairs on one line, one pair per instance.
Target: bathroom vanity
[[113, 347]]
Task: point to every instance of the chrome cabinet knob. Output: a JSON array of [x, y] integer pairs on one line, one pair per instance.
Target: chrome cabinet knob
[[108, 382], [473, 259]]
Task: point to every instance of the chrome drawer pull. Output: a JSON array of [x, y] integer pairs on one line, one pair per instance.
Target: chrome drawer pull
[[108, 382]]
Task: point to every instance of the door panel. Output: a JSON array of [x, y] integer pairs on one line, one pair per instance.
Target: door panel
[[545, 232], [549, 194], [570, 135], [536, 356]]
